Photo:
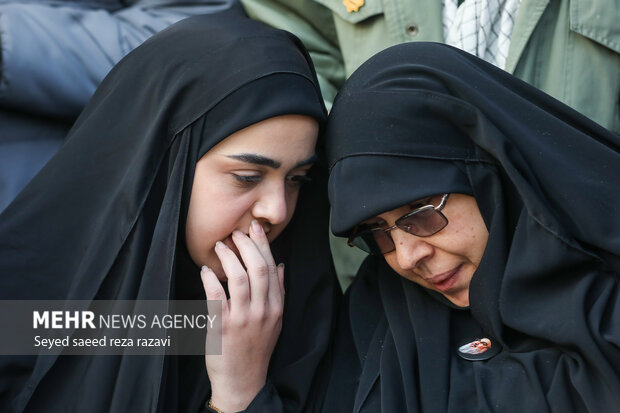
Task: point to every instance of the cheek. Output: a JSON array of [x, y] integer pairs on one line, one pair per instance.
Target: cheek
[[393, 263], [476, 236], [197, 233], [468, 237], [479, 241], [209, 222]]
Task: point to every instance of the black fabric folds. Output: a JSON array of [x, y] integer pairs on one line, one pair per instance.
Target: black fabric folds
[[104, 218], [420, 119]]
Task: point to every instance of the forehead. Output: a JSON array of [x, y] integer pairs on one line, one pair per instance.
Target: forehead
[[283, 136]]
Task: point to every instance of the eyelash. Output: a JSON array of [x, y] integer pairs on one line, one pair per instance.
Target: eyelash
[[247, 181], [298, 180]]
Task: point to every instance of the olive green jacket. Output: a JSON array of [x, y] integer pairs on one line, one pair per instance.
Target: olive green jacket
[[568, 48]]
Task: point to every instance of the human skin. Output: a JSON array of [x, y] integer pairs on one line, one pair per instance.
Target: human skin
[[446, 261], [229, 192], [238, 205]]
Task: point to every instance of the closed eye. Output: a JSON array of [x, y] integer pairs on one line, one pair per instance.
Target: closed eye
[[298, 180], [247, 180]]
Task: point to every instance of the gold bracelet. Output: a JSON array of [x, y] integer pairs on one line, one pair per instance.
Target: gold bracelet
[[212, 406]]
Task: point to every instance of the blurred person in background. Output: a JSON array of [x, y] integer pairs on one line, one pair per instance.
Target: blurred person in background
[[53, 54]]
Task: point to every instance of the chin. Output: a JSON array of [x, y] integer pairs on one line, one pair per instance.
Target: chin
[[458, 300]]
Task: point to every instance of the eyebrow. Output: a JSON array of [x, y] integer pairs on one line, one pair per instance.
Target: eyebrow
[[308, 161], [264, 161]]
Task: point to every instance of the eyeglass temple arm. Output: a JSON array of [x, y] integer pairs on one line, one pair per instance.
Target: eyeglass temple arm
[[442, 204]]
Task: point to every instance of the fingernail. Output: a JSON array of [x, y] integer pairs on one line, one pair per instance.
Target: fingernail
[[220, 245], [204, 268], [237, 234], [281, 265], [256, 227]]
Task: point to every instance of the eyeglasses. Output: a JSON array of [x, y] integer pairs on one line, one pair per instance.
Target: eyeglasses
[[422, 222]]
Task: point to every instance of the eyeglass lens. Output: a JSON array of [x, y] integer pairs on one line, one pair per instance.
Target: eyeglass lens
[[424, 222]]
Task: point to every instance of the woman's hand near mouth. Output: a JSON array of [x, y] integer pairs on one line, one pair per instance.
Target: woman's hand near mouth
[[251, 318]]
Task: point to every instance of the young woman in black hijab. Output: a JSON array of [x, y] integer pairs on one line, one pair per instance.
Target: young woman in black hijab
[[490, 211], [204, 131]]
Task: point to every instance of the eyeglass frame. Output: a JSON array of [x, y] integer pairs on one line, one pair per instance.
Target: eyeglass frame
[[438, 208]]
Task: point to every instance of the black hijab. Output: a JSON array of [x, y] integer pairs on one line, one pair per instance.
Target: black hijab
[[421, 119], [105, 218]]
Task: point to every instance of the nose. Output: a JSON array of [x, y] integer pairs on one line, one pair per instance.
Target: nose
[[410, 250], [271, 206]]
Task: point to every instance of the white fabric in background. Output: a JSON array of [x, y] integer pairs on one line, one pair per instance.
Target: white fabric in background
[[481, 27]]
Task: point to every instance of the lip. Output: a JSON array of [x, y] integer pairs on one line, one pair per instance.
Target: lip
[[444, 281]]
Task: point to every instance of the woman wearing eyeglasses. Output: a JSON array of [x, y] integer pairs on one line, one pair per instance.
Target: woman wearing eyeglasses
[[461, 245], [489, 210]]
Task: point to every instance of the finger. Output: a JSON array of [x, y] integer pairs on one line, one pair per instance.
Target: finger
[[257, 234], [216, 300], [279, 291], [214, 291], [259, 237], [238, 283], [258, 269]]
